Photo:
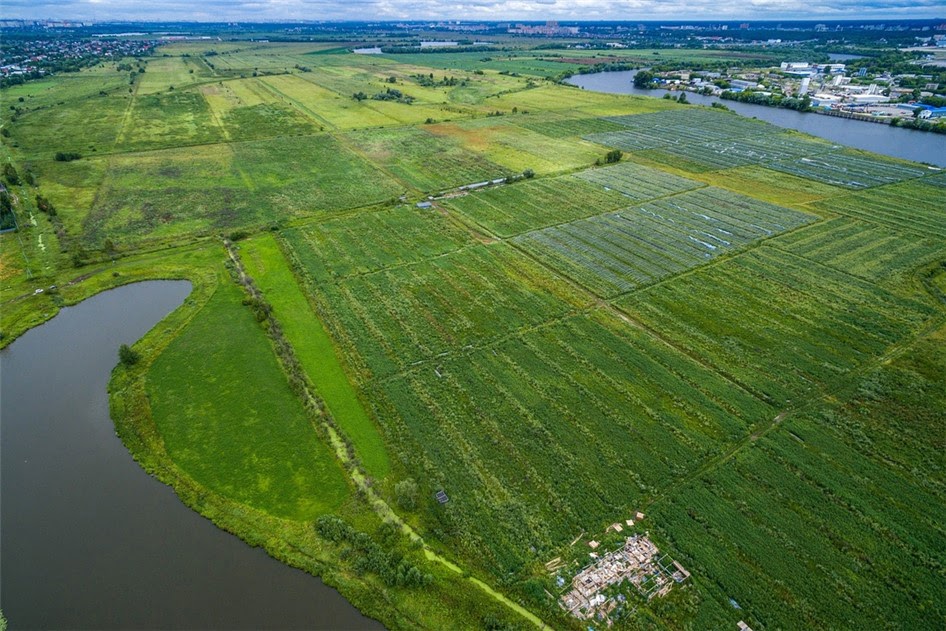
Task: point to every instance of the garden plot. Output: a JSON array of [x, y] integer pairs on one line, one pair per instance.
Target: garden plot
[[864, 249], [848, 170], [617, 252], [915, 207], [692, 125], [725, 154], [402, 316], [627, 140], [936, 180], [556, 430], [423, 160], [515, 208], [571, 127], [397, 236], [638, 182], [783, 325]]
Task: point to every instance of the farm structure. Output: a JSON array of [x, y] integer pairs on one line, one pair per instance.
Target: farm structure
[[638, 561]]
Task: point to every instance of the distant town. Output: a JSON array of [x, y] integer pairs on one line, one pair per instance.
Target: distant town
[[892, 72], [34, 58], [831, 88]]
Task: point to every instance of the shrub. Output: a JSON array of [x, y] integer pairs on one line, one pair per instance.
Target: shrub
[[10, 174], [127, 355], [67, 156], [406, 494], [613, 156]]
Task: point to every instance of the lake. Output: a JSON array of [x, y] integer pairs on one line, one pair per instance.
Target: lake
[[908, 144], [88, 540]]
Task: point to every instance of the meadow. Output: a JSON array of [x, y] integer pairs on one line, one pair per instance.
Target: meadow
[[266, 455], [735, 329]]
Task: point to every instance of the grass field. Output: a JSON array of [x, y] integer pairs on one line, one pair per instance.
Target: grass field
[[735, 329], [255, 445], [516, 148], [221, 187], [264, 261]]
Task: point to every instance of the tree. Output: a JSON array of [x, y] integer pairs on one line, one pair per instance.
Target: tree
[[613, 156], [528, 174], [406, 494], [644, 79], [359, 96], [127, 355], [682, 98]]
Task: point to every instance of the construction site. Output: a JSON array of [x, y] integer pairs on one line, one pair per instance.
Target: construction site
[[638, 562]]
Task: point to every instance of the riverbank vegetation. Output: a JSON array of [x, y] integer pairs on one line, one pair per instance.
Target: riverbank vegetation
[[411, 370]]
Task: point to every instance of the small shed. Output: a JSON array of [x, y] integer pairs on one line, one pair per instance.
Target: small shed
[[441, 497], [424, 204]]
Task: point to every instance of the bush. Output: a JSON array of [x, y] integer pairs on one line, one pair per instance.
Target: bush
[[67, 156], [10, 174], [46, 206], [127, 355], [406, 494]]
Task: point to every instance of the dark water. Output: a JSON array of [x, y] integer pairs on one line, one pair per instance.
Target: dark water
[[87, 539], [908, 144]]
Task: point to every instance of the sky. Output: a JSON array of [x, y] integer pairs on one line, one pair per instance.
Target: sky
[[269, 10]]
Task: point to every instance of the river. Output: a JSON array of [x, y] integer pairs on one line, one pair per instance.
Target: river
[[87, 539], [908, 144]]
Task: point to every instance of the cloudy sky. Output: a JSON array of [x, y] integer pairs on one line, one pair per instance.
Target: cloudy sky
[[264, 10]]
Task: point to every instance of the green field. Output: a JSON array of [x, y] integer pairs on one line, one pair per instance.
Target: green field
[[735, 329], [614, 253], [523, 206], [266, 264], [252, 444]]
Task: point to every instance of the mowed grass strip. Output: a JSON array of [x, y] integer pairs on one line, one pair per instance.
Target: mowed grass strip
[[265, 263], [229, 419]]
